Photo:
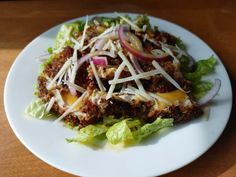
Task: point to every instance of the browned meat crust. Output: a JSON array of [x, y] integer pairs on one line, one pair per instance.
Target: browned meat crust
[[118, 108]]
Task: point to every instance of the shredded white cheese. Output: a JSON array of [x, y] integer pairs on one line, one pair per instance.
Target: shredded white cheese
[[132, 71], [61, 71], [70, 109], [77, 87], [61, 77], [59, 98], [113, 48], [167, 50], [107, 45], [50, 104], [117, 75], [133, 25], [77, 44], [166, 75], [135, 77], [84, 33], [144, 95], [100, 84], [93, 40]]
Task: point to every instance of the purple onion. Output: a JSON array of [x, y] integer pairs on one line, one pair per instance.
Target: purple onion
[[211, 94]]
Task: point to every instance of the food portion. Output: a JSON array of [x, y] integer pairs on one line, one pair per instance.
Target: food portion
[[121, 79]]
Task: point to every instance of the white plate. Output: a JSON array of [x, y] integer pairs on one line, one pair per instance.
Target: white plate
[[156, 156]]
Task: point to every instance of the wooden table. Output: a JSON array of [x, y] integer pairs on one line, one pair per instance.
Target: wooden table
[[22, 21]]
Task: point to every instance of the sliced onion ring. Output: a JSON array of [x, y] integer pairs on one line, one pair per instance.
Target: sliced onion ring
[[211, 94], [139, 55]]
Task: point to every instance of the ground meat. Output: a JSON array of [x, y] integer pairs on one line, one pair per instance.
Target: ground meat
[[159, 83], [81, 78], [72, 120], [114, 61], [43, 93], [120, 108], [178, 113], [165, 38], [93, 114]]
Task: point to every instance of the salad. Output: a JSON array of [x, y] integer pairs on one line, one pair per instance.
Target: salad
[[120, 79]]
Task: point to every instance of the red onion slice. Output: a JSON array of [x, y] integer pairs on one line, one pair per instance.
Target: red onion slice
[[136, 64], [211, 94], [100, 61], [140, 55]]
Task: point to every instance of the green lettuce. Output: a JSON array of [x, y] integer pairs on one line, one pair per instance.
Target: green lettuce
[[110, 120], [180, 43], [153, 127], [63, 34], [89, 134], [201, 68], [142, 20], [129, 130], [119, 133], [200, 88], [105, 21], [37, 109]]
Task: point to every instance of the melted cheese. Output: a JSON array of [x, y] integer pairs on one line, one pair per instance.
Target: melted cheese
[[174, 97], [69, 99]]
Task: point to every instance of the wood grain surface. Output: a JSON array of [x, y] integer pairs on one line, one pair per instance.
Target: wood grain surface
[[22, 21]]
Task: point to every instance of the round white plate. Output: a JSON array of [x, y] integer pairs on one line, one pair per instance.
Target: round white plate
[[157, 155]]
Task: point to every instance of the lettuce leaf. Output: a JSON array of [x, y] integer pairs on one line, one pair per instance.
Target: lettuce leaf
[[119, 132], [200, 88], [63, 34], [142, 20], [202, 68], [110, 120], [89, 134], [129, 130], [105, 21], [180, 43], [153, 127], [37, 109]]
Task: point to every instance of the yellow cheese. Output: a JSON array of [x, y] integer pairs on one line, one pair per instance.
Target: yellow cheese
[[70, 99], [174, 96]]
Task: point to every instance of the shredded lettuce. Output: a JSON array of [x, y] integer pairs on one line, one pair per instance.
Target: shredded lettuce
[[89, 134], [202, 68], [105, 21], [110, 120], [50, 50], [151, 128], [129, 130], [180, 44], [37, 109], [200, 88], [119, 133], [142, 20], [63, 36]]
